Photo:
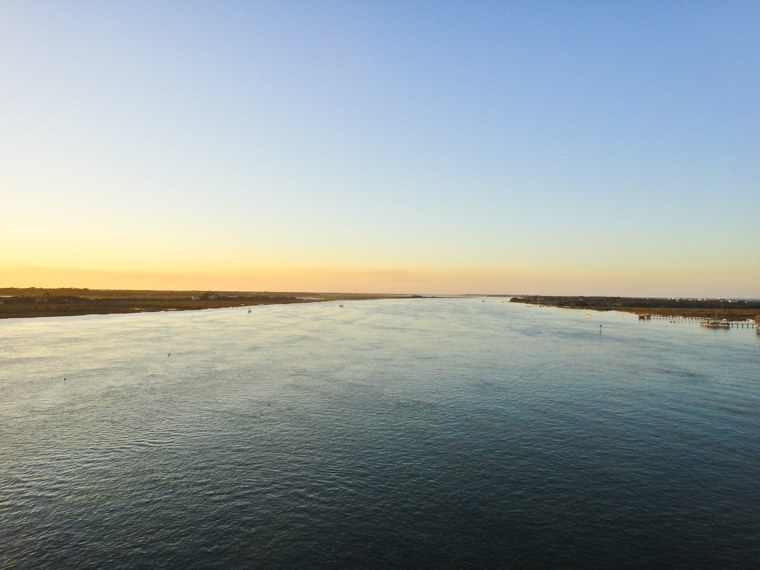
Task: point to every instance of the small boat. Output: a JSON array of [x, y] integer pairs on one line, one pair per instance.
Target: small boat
[[715, 324]]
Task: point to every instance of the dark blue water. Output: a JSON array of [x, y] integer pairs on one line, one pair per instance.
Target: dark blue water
[[386, 434]]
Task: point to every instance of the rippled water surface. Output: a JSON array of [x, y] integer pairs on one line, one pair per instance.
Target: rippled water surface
[[398, 433]]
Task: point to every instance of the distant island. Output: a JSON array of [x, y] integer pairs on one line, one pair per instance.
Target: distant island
[[39, 302], [729, 309]]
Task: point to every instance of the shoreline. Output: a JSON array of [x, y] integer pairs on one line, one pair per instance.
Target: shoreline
[[35, 302], [728, 309]]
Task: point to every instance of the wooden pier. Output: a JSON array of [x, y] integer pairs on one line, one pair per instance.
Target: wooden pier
[[698, 320]]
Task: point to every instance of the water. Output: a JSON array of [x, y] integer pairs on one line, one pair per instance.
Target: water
[[386, 434]]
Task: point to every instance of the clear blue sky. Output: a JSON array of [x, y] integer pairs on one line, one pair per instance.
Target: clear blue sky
[[548, 147]]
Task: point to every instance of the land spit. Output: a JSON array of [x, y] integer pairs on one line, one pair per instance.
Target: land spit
[[37, 302], [729, 309]]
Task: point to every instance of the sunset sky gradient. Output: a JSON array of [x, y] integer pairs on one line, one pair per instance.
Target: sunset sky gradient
[[409, 147]]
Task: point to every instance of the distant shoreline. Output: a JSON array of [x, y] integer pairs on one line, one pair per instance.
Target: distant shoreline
[[33, 302], [39, 302], [729, 309]]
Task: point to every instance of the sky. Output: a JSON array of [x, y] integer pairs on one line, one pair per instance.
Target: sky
[[577, 148]]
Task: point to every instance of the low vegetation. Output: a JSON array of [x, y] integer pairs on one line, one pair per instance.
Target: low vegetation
[[730, 309], [37, 302]]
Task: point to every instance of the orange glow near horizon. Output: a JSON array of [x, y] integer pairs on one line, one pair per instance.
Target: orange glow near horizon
[[583, 281]]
